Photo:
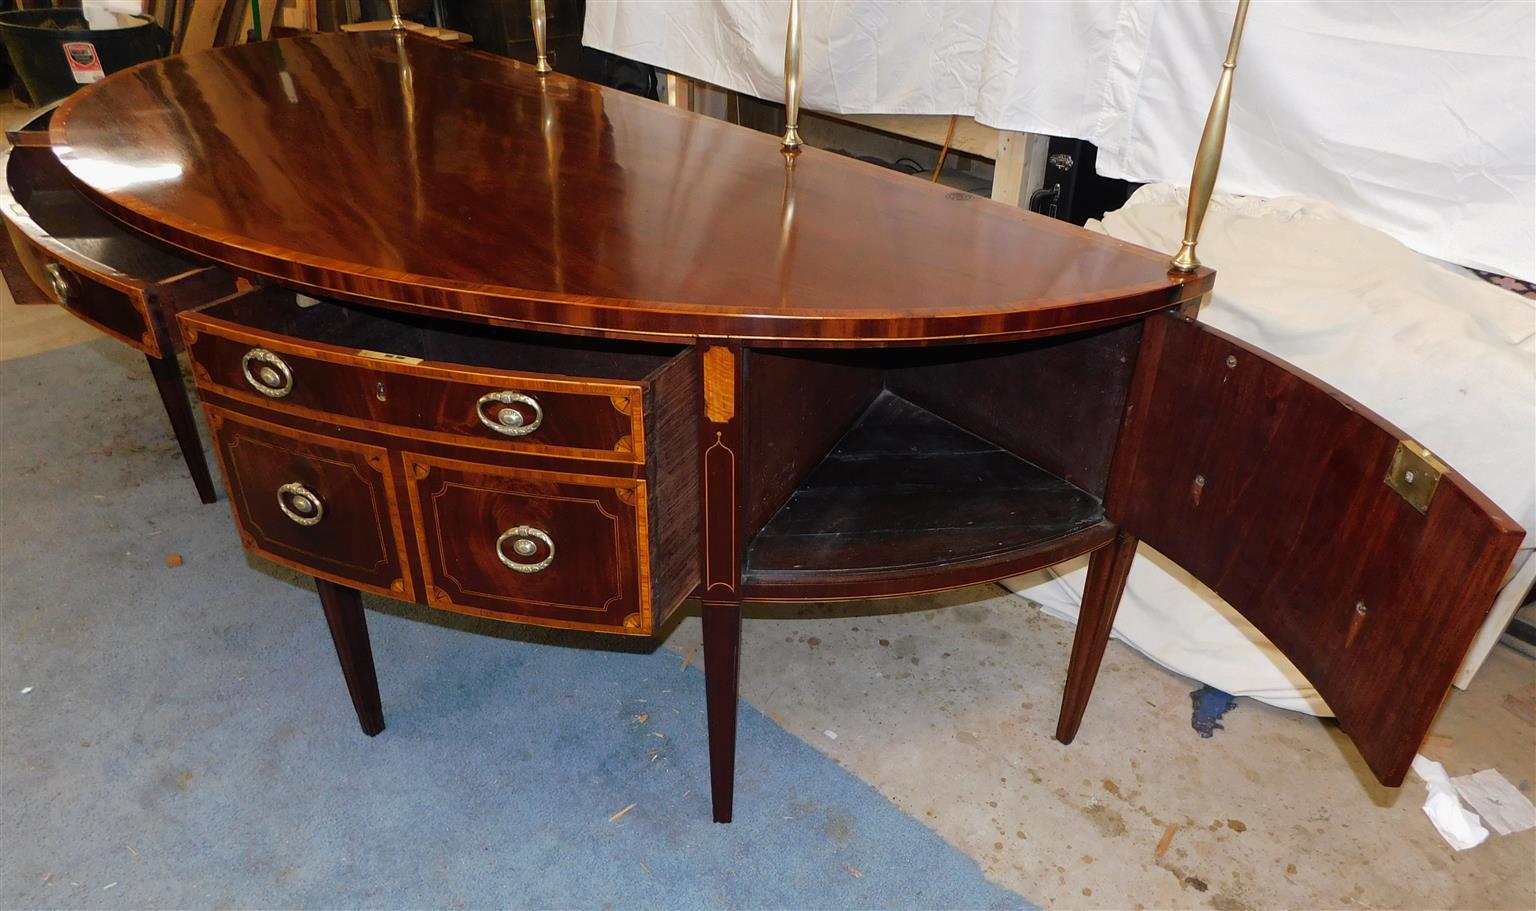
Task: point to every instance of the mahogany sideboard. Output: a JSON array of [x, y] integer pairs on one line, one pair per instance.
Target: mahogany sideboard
[[522, 347]]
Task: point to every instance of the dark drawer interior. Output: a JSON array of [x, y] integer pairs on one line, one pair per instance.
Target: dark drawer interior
[[354, 327], [41, 186]]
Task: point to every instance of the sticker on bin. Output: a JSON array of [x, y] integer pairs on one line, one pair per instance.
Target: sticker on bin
[[84, 62]]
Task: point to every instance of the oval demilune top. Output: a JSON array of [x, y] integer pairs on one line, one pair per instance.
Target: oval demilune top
[[406, 172]]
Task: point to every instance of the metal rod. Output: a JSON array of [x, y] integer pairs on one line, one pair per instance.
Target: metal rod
[[395, 22], [792, 78], [540, 36], [1208, 158], [949, 137]]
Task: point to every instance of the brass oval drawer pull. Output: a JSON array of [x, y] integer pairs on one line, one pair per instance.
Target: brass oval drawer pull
[[61, 282], [509, 421], [525, 543], [300, 504], [271, 378]]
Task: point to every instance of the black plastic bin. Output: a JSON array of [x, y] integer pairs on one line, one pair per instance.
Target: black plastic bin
[[42, 43]]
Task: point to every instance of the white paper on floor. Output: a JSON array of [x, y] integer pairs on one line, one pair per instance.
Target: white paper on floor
[[1500, 803], [1460, 829]]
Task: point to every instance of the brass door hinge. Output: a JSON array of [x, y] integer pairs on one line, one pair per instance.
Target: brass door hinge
[[1415, 474]]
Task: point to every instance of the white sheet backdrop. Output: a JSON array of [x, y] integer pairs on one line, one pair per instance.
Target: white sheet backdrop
[[1417, 117]]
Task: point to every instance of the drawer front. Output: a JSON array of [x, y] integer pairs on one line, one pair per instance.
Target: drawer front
[[116, 307], [463, 406], [321, 506], [548, 548]]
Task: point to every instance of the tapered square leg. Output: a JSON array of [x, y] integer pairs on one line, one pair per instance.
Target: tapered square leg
[[173, 395], [1107, 571], [722, 673], [349, 631], [721, 428]]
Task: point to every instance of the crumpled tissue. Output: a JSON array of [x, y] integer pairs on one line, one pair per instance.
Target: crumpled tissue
[[1460, 828]]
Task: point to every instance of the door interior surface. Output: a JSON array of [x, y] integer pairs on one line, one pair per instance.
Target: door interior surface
[[1272, 489]]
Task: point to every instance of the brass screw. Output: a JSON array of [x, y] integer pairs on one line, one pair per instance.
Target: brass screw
[[1360, 608], [1231, 360]]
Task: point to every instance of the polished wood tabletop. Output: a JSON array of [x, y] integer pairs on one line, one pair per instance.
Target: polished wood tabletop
[[404, 171]]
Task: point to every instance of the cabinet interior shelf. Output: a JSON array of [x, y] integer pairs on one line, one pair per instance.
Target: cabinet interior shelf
[[907, 494]]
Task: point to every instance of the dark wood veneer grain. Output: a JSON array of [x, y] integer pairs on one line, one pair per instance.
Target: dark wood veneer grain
[[672, 463], [459, 476], [596, 576], [430, 400], [599, 200], [1269, 487], [358, 540], [799, 406], [1055, 402]]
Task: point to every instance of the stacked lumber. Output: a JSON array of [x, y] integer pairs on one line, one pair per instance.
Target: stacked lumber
[[303, 15], [196, 25]]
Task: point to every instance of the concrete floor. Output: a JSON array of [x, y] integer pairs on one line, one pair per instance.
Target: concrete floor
[[950, 712], [947, 704], [35, 328]]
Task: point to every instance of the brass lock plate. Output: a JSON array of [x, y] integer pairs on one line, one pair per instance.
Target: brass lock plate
[[1415, 474]]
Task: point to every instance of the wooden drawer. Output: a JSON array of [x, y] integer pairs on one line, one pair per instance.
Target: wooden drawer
[[322, 506], [548, 547], [608, 480], [91, 265], [118, 308], [430, 381]]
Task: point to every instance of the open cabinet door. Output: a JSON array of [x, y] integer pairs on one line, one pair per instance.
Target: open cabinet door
[[1274, 490]]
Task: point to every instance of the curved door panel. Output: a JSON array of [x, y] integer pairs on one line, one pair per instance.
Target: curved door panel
[[1272, 488]]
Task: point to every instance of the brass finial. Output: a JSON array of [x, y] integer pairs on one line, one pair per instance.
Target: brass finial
[[540, 36], [792, 78], [1208, 158]]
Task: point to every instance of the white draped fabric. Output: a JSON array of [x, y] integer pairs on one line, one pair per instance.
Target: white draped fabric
[[1416, 117]]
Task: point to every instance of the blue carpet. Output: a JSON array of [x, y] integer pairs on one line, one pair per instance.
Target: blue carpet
[[187, 740]]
